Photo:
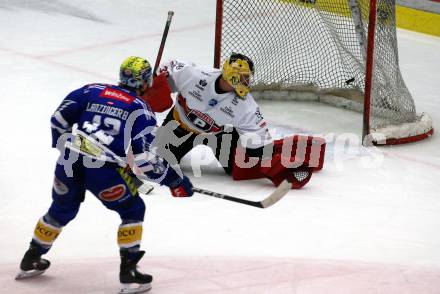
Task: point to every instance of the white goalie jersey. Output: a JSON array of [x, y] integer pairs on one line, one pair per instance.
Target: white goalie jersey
[[200, 109]]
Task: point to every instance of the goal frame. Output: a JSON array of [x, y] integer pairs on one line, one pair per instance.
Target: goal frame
[[367, 137]]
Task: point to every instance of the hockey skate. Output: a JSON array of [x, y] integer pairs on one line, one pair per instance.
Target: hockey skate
[[132, 281], [32, 264], [145, 188], [142, 186]]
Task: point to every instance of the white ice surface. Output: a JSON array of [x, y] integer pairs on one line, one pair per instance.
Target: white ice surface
[[376, 206]]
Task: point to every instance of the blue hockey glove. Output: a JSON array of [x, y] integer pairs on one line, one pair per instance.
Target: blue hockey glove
[[182, 189]]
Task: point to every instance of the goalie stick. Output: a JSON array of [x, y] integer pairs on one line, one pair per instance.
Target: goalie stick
[[162, 42], [273, 198]]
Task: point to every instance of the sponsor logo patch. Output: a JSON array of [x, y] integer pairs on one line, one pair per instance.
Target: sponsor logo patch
[[213, 102], [116, 95], [129, 235], [59, 187], [196, 94], [177, 65], [258, 115], [112, 193], [203, 83], [46, 234], [203, 121], [228, 111]]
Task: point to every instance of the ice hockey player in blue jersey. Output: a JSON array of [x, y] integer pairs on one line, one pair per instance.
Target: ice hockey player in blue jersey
[[98, 128]]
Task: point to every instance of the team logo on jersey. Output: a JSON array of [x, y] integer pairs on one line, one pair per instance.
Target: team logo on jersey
[[212, 102], [112, 193], [203, 121], [65, 104], [59, 187]]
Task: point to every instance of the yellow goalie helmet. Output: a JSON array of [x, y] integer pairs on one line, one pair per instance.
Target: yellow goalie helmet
[[237, 71]]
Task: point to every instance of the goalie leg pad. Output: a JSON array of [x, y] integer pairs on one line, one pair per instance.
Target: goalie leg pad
[[129, 235], [290, 152], [303, 150], [277, 172], [298, 177], [244, 173]]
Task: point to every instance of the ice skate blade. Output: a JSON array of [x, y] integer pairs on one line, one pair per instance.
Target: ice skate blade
[[145, 189], [141, 288], [28, 274]]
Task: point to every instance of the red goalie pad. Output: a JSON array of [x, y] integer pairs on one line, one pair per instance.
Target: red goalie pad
[[159, 96], [303, 150], [299, 176], [296, 155]]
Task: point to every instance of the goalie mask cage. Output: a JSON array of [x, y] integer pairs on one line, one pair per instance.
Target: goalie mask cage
[[342, 52]]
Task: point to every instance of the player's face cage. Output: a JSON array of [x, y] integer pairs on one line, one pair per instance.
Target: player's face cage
[[237, 71]]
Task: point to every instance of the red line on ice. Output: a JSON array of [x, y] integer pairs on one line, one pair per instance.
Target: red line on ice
[[231, 275], [121, 41], [45, 58]]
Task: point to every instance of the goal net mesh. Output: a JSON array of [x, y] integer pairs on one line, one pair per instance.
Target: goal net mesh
[[318, 46]]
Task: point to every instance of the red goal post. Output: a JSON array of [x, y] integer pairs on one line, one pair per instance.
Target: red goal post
[[341, 52]]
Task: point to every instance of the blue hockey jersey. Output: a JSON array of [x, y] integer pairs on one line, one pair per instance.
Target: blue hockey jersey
[[110, 121]]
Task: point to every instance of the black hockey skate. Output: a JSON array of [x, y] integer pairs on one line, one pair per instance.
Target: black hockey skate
[[132, 281], [32, 264]]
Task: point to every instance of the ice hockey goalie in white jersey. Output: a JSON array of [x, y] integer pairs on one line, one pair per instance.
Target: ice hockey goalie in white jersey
[[214, 107], [207, 100]]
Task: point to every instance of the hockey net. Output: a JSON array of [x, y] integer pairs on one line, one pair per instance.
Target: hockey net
[[320, 50]]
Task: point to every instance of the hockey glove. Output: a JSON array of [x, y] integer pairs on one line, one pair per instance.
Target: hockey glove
[[183, 188], [159, 96]]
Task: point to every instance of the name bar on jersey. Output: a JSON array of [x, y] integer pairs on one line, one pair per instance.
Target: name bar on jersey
[[109, 110]]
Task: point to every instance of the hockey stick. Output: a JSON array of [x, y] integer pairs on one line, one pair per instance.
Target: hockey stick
[[273, 198], [162, 43]]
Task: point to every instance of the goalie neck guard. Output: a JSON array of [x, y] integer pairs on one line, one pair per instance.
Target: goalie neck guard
[[237, 71], [134, 71]]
